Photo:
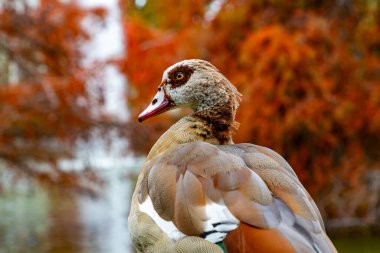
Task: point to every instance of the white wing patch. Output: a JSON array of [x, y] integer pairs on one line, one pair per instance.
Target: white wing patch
[[220, 222], [167, 227]]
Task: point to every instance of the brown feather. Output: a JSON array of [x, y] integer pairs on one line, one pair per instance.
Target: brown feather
[[250, 239], [244, 179], [162, 198]]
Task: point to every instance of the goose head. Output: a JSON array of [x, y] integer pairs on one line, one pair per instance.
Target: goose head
[[196, 84]]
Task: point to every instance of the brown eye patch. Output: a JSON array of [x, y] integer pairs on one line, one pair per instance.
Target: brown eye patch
[[179, 75]]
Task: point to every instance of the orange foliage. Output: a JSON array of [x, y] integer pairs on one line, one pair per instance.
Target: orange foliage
[[43, 97], [308, 71]]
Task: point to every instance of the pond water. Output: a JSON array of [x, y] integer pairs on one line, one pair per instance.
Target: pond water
[[358, 243], [37, 220]]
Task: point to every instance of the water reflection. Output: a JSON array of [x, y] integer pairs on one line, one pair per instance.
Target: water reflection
[[34, 220], [105, 219], [65, 233], [24, 219]]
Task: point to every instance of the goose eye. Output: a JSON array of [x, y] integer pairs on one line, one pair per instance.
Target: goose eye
[[179, 76]]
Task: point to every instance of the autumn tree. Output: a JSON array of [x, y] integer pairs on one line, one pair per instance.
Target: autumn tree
[[44, 103], [309, 72]]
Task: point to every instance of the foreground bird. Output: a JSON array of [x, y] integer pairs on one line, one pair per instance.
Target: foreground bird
[[200, 192]]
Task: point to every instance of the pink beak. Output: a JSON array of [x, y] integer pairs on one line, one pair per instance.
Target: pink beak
[[160, 103]]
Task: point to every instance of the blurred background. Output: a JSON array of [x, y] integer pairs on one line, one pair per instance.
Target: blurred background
[[75, 73]]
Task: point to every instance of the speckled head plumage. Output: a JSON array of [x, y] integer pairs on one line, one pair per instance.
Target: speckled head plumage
[[199, 85]]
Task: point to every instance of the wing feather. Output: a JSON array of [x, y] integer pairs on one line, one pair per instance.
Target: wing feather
[[207, 189], [189, 201]]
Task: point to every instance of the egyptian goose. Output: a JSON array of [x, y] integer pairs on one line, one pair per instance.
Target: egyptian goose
[[200, 192]]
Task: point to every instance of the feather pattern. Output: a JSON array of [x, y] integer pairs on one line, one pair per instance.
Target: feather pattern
[[215, 187]]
